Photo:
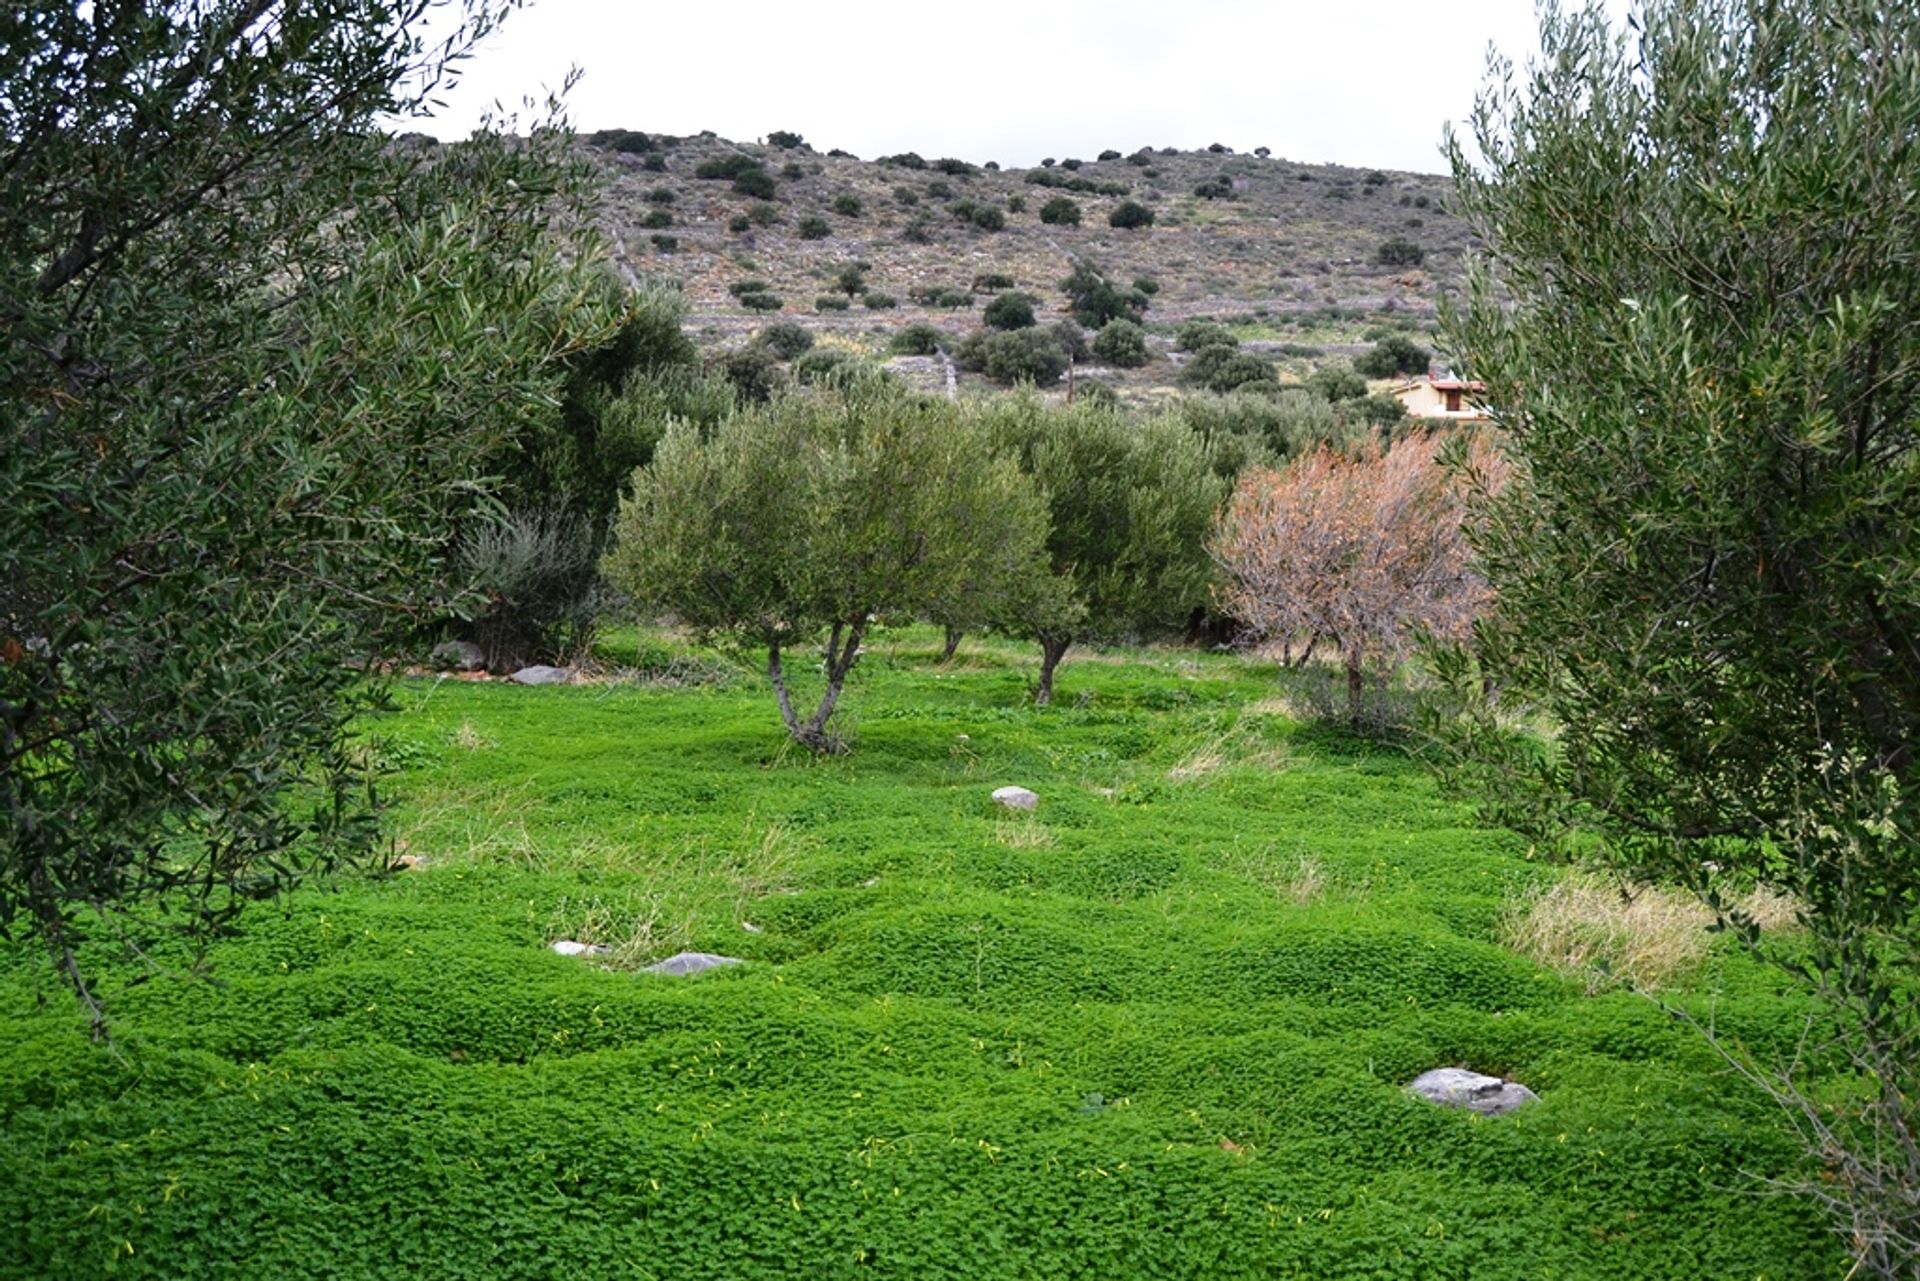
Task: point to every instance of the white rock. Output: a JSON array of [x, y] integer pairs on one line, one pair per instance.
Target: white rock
[[1459, 1088], [683, 963], [569, 947], [541, 675], [459, 655], [1016, 798]]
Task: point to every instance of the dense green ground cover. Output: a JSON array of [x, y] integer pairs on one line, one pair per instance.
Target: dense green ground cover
[[1159, 1029]]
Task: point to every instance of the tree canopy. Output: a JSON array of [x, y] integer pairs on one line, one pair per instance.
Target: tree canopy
[[1698, 322], [254, 356], [825, 511], [536, 562], [1131, 504]]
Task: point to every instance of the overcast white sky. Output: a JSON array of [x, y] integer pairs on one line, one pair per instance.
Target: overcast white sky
[[1357, 83]]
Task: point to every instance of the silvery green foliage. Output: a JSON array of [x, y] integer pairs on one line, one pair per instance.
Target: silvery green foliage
[[252, 357], [824, 511], [1697, 321], [1130, 507]]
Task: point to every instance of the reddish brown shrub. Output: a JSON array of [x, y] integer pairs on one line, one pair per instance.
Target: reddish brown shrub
[[1360, 551]]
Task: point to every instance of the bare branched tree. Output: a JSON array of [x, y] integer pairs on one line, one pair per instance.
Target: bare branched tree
[[1363, 550]]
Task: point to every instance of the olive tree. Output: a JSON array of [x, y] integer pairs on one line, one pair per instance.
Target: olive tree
[[535, 564], [253, 358], [823, 512], [1698, 323], [1131, 504]]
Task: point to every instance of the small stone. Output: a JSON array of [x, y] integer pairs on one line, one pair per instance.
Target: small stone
[[458, 656], [541, 675], [1016, 798], [749, 927], [684, 963], [1460, 1088], [569, 947]]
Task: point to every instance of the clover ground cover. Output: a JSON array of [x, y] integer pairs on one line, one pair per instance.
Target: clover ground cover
[[1158, 1028]]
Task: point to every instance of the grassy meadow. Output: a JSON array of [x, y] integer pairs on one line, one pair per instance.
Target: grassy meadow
[[1159, 1028]]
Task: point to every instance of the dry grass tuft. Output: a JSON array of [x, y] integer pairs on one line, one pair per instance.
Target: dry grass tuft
[[1023, 834], [470, 739], [1301, 880], [634, 928], [1200, 762], [679, 892], [672, 894], [1611, 935], [1771, 910], [473, 825], [1306, 883], [1238, 748]]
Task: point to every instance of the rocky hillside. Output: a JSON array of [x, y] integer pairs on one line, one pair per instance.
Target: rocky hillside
[[1308, 263]]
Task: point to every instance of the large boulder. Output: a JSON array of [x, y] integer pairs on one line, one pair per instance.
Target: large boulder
[[681, 964], [542, 675], [458, 656], [1453, 1087], [1016, 798]]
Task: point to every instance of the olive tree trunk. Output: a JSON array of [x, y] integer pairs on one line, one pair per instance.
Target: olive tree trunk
[[843, 648], [1052, 650]]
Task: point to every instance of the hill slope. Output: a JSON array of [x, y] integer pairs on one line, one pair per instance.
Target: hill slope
[[1292, 254]]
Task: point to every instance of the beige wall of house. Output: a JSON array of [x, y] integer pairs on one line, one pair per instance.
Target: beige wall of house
[[1424, 400]]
